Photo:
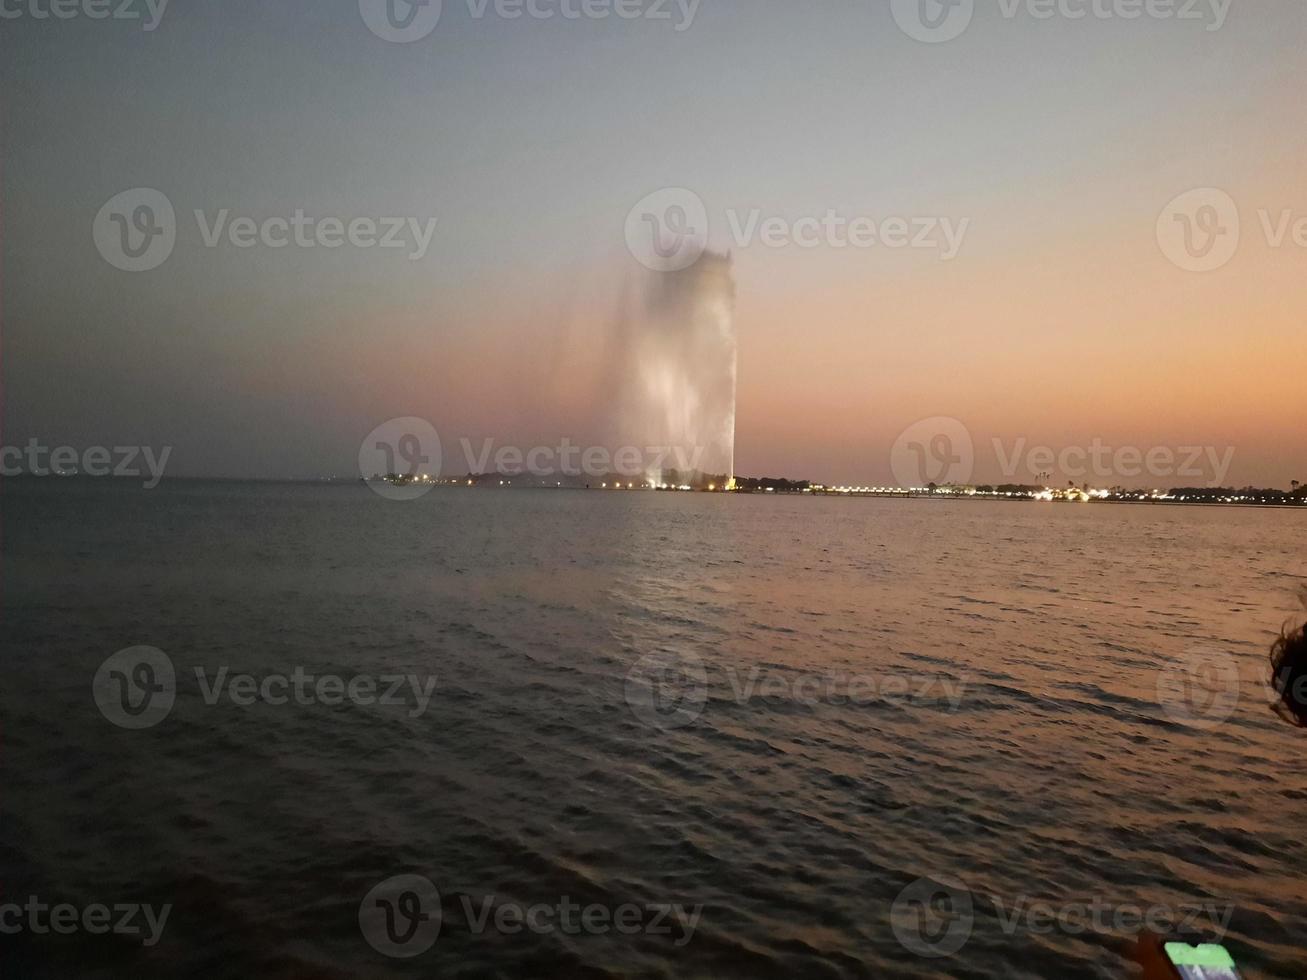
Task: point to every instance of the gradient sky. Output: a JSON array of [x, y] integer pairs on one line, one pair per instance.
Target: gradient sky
[[1060, 322]]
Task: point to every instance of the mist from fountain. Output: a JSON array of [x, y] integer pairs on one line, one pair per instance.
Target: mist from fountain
[[678, 361]]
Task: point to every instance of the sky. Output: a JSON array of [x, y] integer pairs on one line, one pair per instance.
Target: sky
[[1064, 315]]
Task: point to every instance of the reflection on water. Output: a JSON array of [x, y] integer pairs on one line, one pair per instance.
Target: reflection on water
[[785, 711]]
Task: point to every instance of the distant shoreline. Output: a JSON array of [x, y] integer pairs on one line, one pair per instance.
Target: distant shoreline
[[28, 480]]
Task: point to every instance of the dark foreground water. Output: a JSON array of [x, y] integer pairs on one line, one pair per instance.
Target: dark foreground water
[[681, 736]]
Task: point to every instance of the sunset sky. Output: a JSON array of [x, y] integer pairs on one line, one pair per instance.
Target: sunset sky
[[1060, 321]]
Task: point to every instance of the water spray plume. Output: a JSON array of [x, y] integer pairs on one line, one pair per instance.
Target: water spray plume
[[677, 334]]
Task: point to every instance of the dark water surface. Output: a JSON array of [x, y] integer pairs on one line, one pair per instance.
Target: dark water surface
[[891, 691]]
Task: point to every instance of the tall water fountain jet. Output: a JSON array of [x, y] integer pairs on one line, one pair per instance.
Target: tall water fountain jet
[[676, 337]]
